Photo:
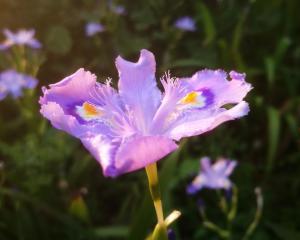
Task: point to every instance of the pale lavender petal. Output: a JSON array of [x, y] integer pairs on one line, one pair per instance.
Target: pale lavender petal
[[8, 34], [137, 88], [30, 82], [68, 123], [71, 90], [118, 156], [195, 124], [5, 45], [230, 167], [220, 166], [60, 104], [34, 43], [224, 91], [198, 183], [205, 164]]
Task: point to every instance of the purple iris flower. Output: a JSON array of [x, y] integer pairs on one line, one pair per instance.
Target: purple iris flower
[[128, 129], [214, 176], [117, 9], [21, 37], [186, 24], [93, 28], [120, 10], [13, 83]]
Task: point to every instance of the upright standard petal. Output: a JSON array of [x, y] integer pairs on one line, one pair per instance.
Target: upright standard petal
[[138, 89]]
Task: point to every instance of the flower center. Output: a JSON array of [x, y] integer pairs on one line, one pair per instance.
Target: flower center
[[89, 111], [193, 99], [196, 99]]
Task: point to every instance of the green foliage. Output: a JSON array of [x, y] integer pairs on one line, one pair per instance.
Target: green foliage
[[51, 188]]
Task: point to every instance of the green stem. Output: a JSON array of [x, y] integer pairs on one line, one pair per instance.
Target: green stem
[[160, 231], [258, 214], [151, 171]]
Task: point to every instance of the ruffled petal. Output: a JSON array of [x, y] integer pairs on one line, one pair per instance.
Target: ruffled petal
[[137, 87], [118, 156], [62, 105], [68, 123], [223, 91], [72, 89], [195, 124]]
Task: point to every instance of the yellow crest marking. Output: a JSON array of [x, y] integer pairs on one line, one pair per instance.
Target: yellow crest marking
[[90, 109], [190, 98]]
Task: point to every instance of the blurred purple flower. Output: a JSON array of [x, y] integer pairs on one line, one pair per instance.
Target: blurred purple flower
[[128, 129], [13, 83], [186, 24], [214, 176], [21, 37], [93, 28], [117, 9]]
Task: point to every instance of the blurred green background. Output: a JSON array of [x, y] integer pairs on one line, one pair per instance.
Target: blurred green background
[[51, 188]]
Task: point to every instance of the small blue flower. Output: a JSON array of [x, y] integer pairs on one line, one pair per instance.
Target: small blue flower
[[21, 37], [13, 83], [117, 9], [93, 28], [186, 24], [214, 176]]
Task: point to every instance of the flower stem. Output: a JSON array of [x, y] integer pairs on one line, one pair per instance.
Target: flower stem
[[151, 171]]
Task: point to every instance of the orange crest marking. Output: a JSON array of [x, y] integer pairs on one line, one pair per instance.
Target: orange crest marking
[[90, 109]]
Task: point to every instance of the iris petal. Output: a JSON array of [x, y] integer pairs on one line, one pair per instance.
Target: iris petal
[[120, 156], [137, 88]]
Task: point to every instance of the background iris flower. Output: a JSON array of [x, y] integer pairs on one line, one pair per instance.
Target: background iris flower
[[93, 28], [21, 37], [13, 83], [186, 24], [214, 176], [138, 125]]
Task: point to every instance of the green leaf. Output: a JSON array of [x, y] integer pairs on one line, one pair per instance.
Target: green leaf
[[273, 136], [283, 232], [208, 23], [111, 231]]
